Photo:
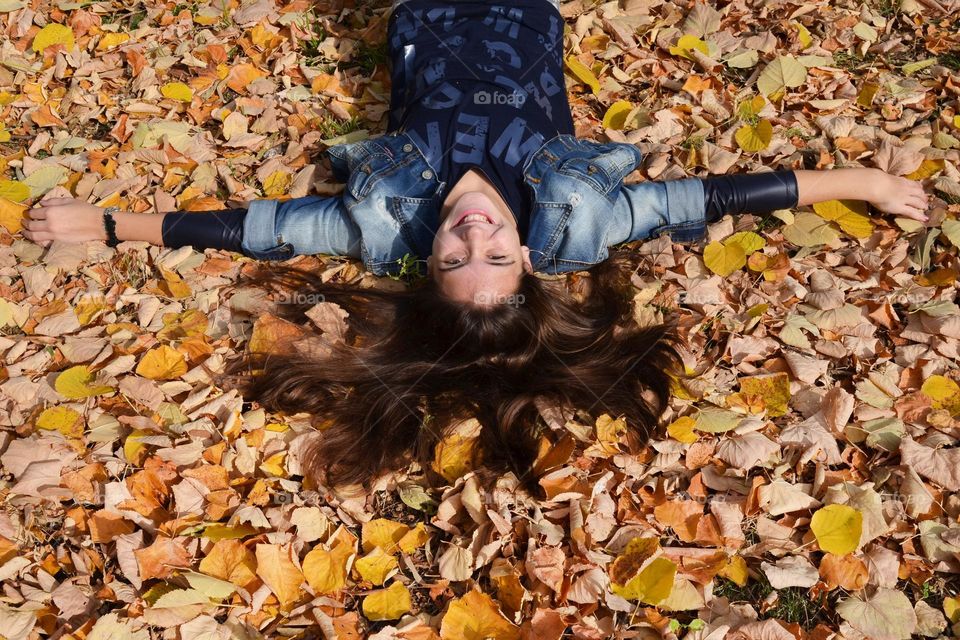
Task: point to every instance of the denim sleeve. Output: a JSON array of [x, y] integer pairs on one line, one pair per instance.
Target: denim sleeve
[[648, 208], [304, 226]]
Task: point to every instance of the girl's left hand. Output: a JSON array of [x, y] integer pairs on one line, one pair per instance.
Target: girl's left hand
[[898, 196], [65, 219]]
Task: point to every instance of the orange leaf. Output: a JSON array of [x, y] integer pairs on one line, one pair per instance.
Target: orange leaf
[[846, 571], [106, 526], [161, 558], [45, 117], [242, 75], [276, 568], [682, 516], [230, 560]]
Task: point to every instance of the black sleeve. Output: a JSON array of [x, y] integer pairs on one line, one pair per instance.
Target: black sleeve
[[749, 192], [204, 229]]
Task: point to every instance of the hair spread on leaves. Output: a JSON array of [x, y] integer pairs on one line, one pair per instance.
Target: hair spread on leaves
[[413, 364]]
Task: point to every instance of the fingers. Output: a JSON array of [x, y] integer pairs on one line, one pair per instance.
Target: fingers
[[914, 213], [43, 238], [35, 225], [55, 201]]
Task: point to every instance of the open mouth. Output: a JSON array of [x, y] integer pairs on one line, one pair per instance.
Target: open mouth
[[474, 215]]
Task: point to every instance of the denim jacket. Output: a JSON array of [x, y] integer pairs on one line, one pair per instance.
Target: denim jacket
[[389, 206]]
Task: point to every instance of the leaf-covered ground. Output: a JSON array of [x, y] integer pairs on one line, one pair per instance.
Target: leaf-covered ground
[[804, 483]]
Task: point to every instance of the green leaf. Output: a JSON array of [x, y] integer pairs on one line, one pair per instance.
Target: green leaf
[[951, 229], [809, 230], [783, 72], [744, 60], [912, 67], [717, 420]]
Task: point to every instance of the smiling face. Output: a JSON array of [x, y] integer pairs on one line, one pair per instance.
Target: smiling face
[[477, 254]]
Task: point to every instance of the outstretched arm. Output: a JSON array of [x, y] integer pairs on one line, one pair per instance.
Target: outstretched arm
[[683, 207], [269, 229], [888, 193]]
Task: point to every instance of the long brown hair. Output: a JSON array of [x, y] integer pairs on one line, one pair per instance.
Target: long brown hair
[[414, 363]]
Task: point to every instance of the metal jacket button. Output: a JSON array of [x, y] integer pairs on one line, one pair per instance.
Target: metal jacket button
[[427, 174], [408, 147]]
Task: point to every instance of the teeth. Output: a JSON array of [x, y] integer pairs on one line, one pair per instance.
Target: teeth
[[475, 217]]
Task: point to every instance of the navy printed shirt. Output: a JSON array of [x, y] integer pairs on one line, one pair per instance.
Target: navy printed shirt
[[479, 85]]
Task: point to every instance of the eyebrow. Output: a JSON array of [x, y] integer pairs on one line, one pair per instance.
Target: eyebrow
[[496, 264]]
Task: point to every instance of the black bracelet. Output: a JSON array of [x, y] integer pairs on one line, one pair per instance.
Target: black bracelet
[[111, 226]]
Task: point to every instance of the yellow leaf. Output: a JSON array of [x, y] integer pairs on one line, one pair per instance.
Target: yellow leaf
[[928, 168], [849, 214], [387, 604], [688, 43], [724, 259], [736, 570], [186, 324], [12, 215], [803, 35], [867, 93], [277, 184], [609, 432], [774, 389], [454, 456], [110, 40], [943, 392], [217, 532], [14, 190], [752, 108], [476, 616], [616, 115], [951, 605], [682, 429], [63, 419], [754, 138], [87, 308], [133, 446], [274, 466], [230, 560], [383, 533], [626, 566], [582, 73], [748, 240], [809, 230], [376, 566], [837, 528], [177, 91], [653, 584], [53, 34], [278, 572], [325, 571], [75, 383], [162, 363], [414, 538]]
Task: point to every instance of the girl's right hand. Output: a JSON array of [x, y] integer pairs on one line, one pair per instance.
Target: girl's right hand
[[64, 219]]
